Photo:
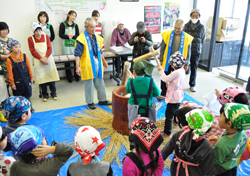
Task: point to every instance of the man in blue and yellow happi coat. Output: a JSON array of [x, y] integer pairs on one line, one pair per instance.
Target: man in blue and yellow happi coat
[[172, 41], [90, 62]]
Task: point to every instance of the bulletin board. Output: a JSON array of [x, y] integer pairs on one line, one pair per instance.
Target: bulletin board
[[66, 5]]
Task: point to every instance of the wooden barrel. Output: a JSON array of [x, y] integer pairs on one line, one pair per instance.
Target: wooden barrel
[[120, 110]]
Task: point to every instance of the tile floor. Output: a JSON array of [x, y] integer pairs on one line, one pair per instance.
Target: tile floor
[[72, 94]]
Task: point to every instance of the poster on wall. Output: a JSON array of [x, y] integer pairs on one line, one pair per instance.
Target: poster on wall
[[152, 19], [171, 13]]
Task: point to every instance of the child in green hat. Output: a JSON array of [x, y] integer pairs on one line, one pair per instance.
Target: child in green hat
[[193, 154], [235, 118], [142, 89]]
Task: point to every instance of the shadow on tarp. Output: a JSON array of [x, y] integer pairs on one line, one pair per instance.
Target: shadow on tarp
[[52, 123]]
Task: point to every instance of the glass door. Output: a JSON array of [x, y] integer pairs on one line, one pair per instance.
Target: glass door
[[231, 35]]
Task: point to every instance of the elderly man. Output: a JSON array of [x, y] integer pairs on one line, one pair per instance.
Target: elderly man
[[88, 53], [141, 40], [175, 40], [197, 30], [120, 36]]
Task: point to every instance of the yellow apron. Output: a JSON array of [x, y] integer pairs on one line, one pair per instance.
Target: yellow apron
[[44, 73]]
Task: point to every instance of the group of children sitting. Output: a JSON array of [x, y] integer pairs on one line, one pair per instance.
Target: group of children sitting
[[208, 144]]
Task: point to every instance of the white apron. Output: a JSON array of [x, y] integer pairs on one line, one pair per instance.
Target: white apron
[[44, 73], [3, 89]]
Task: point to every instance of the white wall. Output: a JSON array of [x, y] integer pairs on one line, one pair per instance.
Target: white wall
[[19, 14]]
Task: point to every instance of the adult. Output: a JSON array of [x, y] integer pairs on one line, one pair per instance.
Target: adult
[[68, 32], [99, 29], [120, 36], [45, 72], [89, 64], [99, 26], [4, 54], [141, 40], [47, 28], [174, 40], [197, 30]]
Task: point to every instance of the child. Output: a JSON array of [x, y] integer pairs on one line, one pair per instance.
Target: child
[[235, 118], [176, 81], [17, 111], [5, 161], [142, 89], [88, 143], [45, 71], [68, 32], [193, 154], [19, 71], [47, 28], [147, 159], [232, 95], [28, 143], [180, 119]]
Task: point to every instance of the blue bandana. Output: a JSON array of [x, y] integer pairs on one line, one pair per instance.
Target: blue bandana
[[12, 43], [14, 107], [24, 139], [177, 60]]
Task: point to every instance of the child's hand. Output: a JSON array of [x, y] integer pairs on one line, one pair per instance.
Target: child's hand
[[166, 85], [159, 68], [43, 150], [31, 81], [13, 87], [217, 92], [212, 140]]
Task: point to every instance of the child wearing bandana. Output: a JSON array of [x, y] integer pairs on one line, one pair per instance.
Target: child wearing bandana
[[5, 161], [235, 118], [28, 143], [146, 159], [142, 89], [174, 96], [17, 111], [88, 143], [193, 154]]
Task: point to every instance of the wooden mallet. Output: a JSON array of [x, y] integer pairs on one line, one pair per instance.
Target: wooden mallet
[[156, 60], [147, 56]]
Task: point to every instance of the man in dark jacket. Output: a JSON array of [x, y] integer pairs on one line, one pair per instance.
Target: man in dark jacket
[[197, 30], [141, 40]]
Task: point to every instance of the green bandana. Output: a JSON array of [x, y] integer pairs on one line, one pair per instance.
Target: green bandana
[[238, 115], [199, 120], [143, 67]]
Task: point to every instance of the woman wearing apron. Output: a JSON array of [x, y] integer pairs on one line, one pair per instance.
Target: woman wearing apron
[[4, 54], [47, 28], [99, 27], [45, 72], [68, 32]]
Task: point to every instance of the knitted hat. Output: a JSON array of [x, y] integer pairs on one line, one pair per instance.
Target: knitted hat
[[14, 107], [177, 60], [200, 121], [140, 26], [195, 11], [227, 95], [120, 22], [12, 43], [143, 67], [145, 134], [24, 139], [3, 26], [88, 143], [34, 27], [238, 115]]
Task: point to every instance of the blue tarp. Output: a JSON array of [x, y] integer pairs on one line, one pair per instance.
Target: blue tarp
[[52, 123]]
